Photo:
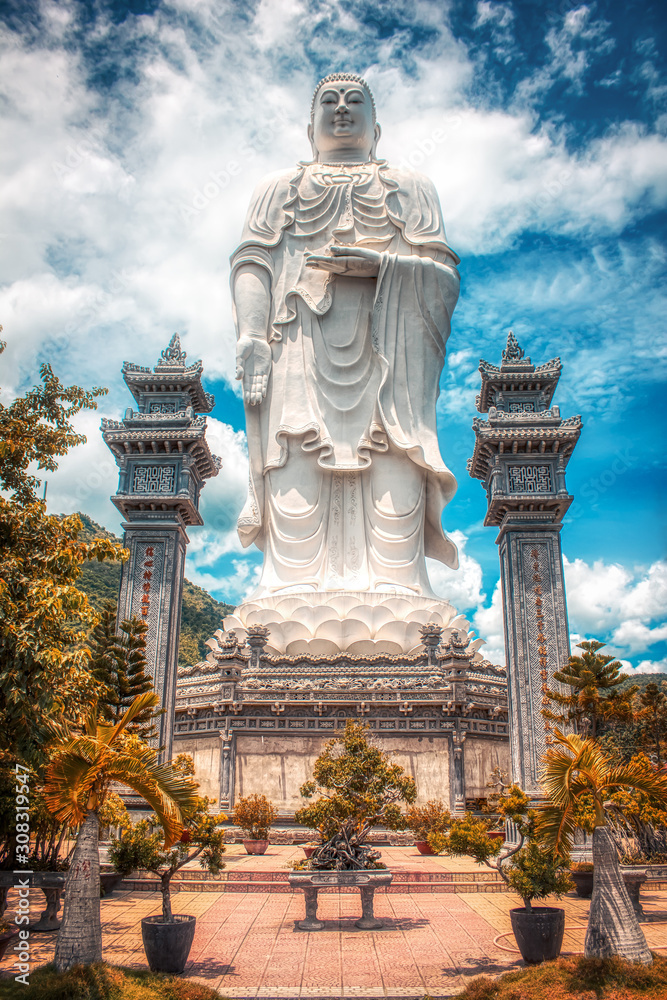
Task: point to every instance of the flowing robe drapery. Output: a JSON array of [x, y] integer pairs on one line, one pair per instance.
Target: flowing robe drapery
[[347, 484]]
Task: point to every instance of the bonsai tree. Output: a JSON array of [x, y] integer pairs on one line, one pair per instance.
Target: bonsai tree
[[142, 847], [531, 869], [579, 778], [359, 788], [254, 814], [78, 780], [424, 821]]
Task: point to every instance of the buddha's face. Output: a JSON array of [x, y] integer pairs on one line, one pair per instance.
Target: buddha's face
[[343, 122]]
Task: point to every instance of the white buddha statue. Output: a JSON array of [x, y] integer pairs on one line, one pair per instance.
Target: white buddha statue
[[344, 288]]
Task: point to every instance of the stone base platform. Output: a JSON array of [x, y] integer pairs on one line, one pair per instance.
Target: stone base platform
[[412, 873]]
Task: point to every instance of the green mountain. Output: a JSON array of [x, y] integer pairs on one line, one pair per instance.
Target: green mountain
[[641, 680], [201, 614]]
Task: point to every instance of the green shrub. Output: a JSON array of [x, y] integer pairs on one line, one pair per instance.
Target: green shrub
[[103, 982], [254, 814], [431, 818]]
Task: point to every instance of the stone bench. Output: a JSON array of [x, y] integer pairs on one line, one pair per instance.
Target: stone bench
[[366, 881]]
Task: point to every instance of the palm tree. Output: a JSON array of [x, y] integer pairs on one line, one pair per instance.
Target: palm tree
[[78, 779], [578, 777]]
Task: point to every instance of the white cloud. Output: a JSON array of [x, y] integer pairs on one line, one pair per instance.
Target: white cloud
[[609, 601], [651, 667], [462, 587], [488, 623]]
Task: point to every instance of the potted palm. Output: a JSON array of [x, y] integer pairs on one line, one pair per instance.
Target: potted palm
[[255, 814], [579, 778], [424, 821], [78, 779], [529, 868], [168, 937]]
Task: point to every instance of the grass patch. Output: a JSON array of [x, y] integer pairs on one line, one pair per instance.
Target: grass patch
[[575, 979], [103, 982]]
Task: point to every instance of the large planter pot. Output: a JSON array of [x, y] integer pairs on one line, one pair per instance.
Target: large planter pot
[[583, 883], [6, 939], [308, 850], [424, 847], [110, 881], [255, 846], [167, 945], [538, 933]]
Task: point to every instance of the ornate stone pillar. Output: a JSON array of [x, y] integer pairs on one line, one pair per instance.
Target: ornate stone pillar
[[520, 455], [164, 461]]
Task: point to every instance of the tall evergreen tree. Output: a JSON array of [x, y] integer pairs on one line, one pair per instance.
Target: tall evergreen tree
[[652, 718], [594, 697], [118, 663]]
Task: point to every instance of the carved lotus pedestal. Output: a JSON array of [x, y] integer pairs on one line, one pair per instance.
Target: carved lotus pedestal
[[366, 881]]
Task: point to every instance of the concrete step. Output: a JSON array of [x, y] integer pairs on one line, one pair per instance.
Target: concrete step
[[280, 884]]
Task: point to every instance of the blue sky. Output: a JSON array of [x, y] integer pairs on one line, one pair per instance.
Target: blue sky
[[135, 132]]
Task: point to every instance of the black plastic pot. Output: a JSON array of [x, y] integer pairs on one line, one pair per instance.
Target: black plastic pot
[[167, 945], [538, 933]]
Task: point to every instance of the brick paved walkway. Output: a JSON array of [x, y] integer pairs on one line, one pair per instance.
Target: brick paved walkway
[[247, 945]]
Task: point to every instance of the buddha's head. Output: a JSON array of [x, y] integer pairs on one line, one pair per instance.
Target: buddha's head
[[343, 126]]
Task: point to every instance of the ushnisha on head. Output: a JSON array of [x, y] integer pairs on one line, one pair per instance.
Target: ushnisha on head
[[343, 127]]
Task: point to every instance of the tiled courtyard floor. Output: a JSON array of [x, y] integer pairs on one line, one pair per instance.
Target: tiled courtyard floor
[[247, 944]]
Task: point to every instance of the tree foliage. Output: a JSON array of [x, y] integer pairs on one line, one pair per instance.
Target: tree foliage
[[580, 778], [44, 617], [595, 695], [534, 870], [118, 664], [358, 787], [428, 819], [84, 766], [142, 847], [37, 428], [254, 814]]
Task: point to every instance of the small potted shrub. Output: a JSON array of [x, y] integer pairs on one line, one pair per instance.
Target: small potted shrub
[[424, 821], [168, 937], [255, 814], [533, 871]]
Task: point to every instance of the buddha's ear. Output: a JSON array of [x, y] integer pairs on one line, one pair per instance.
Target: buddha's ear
[[377, 132], [311, 140]]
